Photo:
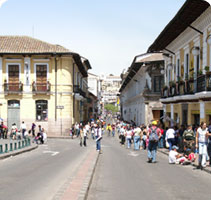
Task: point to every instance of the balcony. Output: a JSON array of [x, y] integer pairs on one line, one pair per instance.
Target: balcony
[[204, 83], [41, 88], [13, 88], [189, 87], [78, 90]]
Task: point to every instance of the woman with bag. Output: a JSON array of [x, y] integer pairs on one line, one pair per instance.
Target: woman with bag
[[201, 144]]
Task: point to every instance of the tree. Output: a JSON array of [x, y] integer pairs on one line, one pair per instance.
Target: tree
[[111, 108]]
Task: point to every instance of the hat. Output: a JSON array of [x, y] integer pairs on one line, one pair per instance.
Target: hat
[[154, 123], [175, 147]]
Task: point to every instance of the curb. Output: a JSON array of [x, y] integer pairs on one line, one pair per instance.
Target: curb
[[206, 170], [91, 178], [27, 149], [61, 137]]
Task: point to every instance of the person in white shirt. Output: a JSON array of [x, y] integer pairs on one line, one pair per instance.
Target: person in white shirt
[[175, 157], [85, 135], [129, 136], [98, 136], [201, 143], [23, 129], [170, 137], [122, 135], [87, 128]]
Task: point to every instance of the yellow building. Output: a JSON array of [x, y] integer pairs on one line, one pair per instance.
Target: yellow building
[[41, 83], [186, 45]]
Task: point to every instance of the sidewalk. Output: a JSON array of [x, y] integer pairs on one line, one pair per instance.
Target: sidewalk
[[166, 152], [10, 147]]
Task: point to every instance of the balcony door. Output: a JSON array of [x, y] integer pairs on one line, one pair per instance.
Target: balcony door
[[41, 77], [13, 77]]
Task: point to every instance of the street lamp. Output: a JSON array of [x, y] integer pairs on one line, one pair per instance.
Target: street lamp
[[162, 71], [170, 66], [208, 40], [195, 51]]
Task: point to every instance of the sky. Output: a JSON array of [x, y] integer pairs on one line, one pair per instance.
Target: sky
[[109, 33]]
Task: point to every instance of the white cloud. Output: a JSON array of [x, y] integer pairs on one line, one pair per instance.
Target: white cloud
[[2, 2]]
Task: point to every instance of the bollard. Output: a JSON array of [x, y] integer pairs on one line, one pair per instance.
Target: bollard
[[22, 143], [11, 149], [1, 149], [19, 145], [29, 142], [6, 148], [26, 142], [15, 148]]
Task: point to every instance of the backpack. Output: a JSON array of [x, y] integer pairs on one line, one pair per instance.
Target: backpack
[[153, 137]]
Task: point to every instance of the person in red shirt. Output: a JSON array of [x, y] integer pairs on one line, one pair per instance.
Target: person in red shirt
[[154, 134], [160, 142], [113, 129]]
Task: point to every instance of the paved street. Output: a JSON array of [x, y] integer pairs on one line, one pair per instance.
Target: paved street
[[123, 174], [45, 173]]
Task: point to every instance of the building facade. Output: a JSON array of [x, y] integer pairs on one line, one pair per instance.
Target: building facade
[[110, 88], [187, 49], [140, 90], [41, 83]]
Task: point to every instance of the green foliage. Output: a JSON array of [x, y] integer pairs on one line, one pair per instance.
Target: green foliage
[[111, 108], [206, 68]]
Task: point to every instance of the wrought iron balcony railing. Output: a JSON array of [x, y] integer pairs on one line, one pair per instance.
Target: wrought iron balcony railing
[[13, 87], [41, 87]]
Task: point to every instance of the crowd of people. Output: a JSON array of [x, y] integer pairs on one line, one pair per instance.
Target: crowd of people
[[94, 129], [14, 133], [186, 144]]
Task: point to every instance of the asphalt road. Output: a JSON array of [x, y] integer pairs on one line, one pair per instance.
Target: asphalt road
[[123, 174], [42, 173]]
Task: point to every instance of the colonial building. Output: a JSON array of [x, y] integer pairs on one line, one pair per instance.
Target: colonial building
[[41, 83], [140, 89], [186, 44], [110, 88], [94, 83]]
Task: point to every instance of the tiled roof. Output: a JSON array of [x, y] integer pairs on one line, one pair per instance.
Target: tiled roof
[[25, 44]]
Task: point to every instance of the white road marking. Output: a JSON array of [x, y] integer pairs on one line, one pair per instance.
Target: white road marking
[[53, 153], [132, 154]]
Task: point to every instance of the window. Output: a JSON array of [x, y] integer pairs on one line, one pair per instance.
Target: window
[[187, 66], [42, 110], [158, 83], [178, 69]]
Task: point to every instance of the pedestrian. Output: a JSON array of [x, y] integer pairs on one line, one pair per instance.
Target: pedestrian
[[175, 157], [13, 131], [201, 144], [170, 135], [137, 134], [128, 136], [23, 129], [154, 135], [108, 128], [81, 135], [144, 137], [98, 136], [122, 136], [113, 129], [33, 129], [188, 139], [85, 132], [160, 142], [77, 128]]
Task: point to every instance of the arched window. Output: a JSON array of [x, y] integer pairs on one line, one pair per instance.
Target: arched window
[[42, 110]]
